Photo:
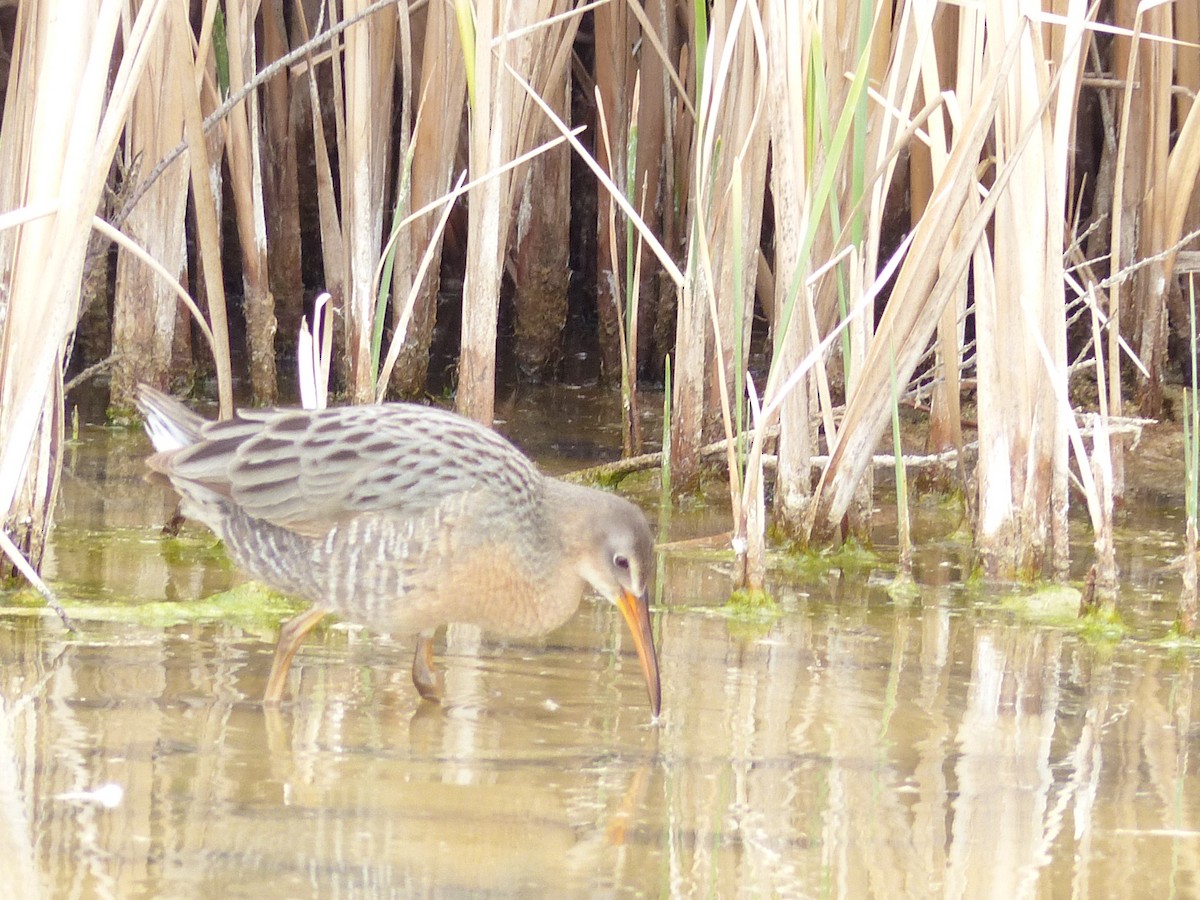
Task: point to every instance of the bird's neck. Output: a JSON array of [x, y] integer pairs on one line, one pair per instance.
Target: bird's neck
[[564, 534], [569, 512]]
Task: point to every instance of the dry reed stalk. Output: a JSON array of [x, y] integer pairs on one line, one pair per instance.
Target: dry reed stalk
[[849, 46], [635, 91], [243, 155], [544, 51], [1014, 393], [624, 290], [446, 202], [677, 144], [1171, 199], [615, 70], [1187, 81], [1065, 52], [1187, 77], [410, 115], [845, 46], [443, 85], [850, 147], [204, 158], [1119, 239], [735, 197], [1187, 605], [965, 40], [924, 285], [367, 59], [541, 247], [806, 300], [1023, 428], [282, 108], [1152, 128], [786, 65], [145, 309], [728, 192], [1095, 470], [687, 393], [1141, 151], [419, 277], [1100, 497], [651, 187], [57, 165], [729, 145], [507, 40], [491, 116], [329, 220], [693, 331]]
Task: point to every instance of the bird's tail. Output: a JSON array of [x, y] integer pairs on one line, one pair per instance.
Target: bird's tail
[[170, 424]]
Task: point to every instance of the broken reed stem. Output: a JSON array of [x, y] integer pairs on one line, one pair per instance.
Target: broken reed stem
[[620, 468]]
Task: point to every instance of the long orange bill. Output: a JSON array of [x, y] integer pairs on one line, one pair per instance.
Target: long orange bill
[[636, 611]]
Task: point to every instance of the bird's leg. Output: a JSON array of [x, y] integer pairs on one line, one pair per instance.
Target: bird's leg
[[427, 678], [291, 636]]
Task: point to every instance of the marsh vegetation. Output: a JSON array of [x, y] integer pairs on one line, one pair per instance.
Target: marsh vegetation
[[812, 214]]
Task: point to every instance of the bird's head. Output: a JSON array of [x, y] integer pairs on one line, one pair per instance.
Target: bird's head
[[619, 564]]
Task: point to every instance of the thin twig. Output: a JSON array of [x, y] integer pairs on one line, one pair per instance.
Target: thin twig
[[91, 372], [27, 571], [618, 469], [1123, 274], [622, 467]]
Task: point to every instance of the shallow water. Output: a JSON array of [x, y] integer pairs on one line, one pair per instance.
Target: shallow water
[[849, 747]]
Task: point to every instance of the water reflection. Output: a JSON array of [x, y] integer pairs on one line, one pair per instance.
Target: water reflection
[[848, 748]]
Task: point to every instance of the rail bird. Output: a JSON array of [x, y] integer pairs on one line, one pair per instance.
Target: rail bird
[[403, 518]]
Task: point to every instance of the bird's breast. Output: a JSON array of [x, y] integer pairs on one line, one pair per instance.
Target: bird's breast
[[407, 574]]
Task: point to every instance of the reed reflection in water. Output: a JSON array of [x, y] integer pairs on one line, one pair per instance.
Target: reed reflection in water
[[851, 747], [851, 750]]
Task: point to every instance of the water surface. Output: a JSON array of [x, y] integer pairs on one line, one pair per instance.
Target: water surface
[[849, 747]]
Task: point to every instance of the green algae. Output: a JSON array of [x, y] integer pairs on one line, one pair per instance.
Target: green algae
[[1103, 625], [849, 557], [751, 603], [1057, 606], [1054, 604], [251, 605]]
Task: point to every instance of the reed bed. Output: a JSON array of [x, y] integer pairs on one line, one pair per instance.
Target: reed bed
[[876, 203]]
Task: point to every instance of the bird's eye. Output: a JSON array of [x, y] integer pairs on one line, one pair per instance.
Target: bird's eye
[[621, 562]]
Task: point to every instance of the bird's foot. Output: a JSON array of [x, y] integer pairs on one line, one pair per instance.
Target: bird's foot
[[291, 635]]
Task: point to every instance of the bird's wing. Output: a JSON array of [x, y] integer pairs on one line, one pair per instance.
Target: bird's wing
[[309, 470]]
